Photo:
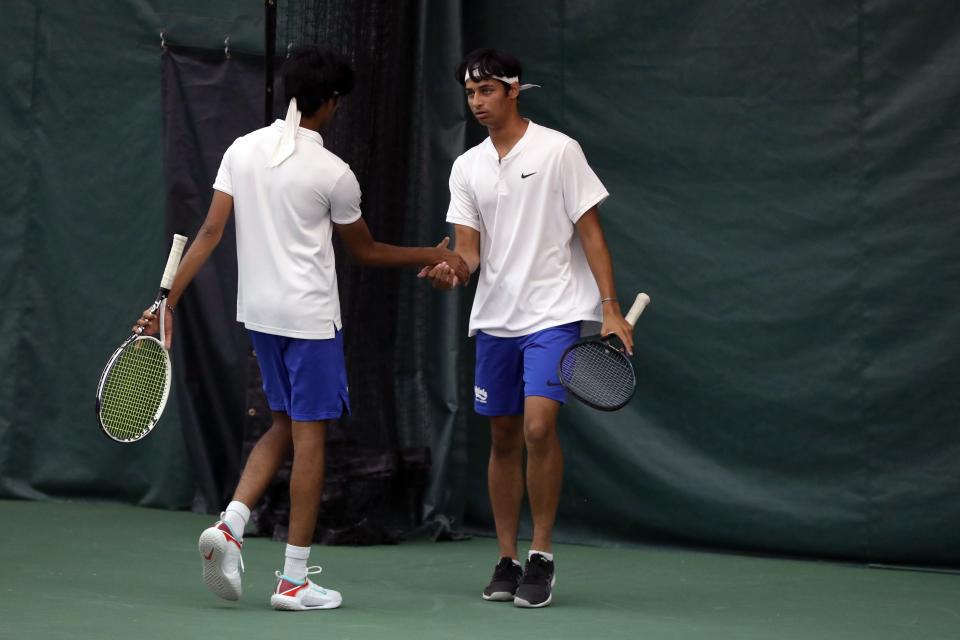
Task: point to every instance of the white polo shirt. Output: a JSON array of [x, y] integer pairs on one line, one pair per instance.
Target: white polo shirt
[[287, 282], [533, 271]]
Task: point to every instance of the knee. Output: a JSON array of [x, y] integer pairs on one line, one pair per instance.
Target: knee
[[539, 434]]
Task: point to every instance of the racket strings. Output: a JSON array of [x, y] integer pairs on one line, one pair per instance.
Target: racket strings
[[598, 374], [134, 389]]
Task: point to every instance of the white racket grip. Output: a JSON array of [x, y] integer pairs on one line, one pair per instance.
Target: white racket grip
[[173, 261], [638, 306]]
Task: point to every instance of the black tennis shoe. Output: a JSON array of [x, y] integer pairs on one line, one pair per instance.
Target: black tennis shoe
[[503, 585], [536, 586]]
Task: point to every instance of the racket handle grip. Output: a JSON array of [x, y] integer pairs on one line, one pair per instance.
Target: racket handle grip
[[638, 306], [173, 261]]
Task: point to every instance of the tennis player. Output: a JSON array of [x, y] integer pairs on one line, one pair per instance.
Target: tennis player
[[289, 193], [524, 205]]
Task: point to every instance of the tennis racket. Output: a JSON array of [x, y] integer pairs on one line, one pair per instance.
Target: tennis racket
[[134, 385], [597, 372]]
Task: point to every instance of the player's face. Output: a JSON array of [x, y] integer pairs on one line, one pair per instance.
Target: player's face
[[490, 101]]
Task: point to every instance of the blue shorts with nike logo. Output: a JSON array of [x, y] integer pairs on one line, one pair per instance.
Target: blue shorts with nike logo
[[510, 369], [306, 379]]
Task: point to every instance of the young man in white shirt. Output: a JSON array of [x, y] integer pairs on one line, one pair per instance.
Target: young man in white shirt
[[524, 204], [289, 193]]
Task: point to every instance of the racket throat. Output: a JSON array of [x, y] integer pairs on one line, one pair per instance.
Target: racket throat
[[163, 318]]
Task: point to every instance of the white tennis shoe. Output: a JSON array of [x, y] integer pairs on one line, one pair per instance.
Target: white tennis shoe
[[293, 595], [222, 561]]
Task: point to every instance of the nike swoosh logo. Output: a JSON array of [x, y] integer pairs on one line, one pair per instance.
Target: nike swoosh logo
[[207, 556], [551, 383], [526, 175]]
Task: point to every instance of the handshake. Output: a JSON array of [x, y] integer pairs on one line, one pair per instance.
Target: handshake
[[447, 270]]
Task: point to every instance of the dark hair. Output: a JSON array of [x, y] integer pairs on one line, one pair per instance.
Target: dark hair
[[486, 63], [313, 75]]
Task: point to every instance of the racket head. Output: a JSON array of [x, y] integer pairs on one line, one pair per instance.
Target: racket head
[[133, 389], [598, 373]]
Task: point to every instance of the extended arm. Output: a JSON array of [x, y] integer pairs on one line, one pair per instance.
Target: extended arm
[[367, 251]]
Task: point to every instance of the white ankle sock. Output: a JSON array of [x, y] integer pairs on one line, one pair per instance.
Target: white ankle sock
[[295, 562], [236, 516], [548, 556]]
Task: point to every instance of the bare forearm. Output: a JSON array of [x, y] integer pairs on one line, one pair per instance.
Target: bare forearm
[[471, 258], [601, 266], [201, 248], [468, 246], [598, 257], [208, 237], [380, 254]]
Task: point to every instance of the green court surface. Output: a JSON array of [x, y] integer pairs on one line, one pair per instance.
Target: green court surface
[[80, 570]]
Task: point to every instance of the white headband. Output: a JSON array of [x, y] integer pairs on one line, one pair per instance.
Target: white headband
[[288, 139], [510, 81]]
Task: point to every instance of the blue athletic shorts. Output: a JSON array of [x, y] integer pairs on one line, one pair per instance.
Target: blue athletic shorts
[[510, 369], [306, 379]]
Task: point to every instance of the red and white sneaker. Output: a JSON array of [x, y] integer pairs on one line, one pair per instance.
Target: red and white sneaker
[[292, 595], [222, 562]]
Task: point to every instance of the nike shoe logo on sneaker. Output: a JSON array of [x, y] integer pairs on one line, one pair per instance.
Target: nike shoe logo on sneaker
[[207, 556], [229, 535]]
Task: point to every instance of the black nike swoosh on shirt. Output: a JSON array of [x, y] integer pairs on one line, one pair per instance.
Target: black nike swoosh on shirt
[[551, 383], [526, 175]]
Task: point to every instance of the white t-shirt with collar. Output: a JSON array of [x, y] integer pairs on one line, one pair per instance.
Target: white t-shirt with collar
[[287, 280], [533, 271]]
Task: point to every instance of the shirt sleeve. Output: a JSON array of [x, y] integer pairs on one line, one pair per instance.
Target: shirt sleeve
[[582, 189], [463, 209], [345, 199], [224, 181]]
